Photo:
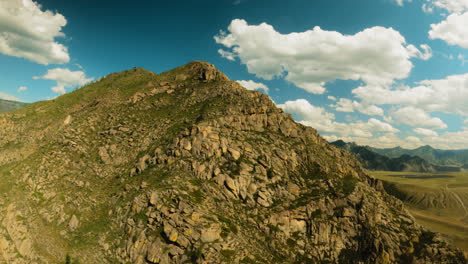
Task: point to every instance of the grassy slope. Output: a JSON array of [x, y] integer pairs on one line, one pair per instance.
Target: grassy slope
[[105, 100], [446, 213], [46, 117]]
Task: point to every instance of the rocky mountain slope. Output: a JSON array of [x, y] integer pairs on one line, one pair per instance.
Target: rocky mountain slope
[[6, 105], [374, 161], [189, 167]]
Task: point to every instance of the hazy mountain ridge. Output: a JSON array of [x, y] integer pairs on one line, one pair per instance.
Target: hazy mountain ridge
[[6, 105], [435, 156], [399, 159], [190, 167], [374, 161]]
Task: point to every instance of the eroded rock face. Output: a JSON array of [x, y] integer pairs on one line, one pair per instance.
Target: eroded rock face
[[189, 167], [204, 71]]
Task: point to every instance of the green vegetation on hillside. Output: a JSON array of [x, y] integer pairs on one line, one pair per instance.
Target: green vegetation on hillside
[[189, 167]]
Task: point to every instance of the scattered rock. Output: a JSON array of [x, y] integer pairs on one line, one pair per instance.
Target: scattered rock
[[74, 223]]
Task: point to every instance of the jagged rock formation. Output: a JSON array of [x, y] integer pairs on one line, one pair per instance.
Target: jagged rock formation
[[190, 167]]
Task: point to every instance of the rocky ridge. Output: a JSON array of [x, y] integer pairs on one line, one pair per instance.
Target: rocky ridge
[[190, 167]]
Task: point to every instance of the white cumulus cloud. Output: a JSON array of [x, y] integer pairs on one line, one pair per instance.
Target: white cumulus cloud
[[413, 139], [320, 119], [417, 117], [453, 30], [447, 95], [306, 111], [312, 58], [449, 140], [28, 32], [251, 85], [453, 6], [8, 97], [347, 105], [65, 79], [425, 132]]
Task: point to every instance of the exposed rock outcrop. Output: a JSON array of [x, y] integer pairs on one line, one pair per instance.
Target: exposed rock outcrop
[[190, 167]]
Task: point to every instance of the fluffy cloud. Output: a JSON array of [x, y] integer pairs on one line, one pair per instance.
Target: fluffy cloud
[[413, 139], [373, 132], [28, 32], [306, 111], [311, 59], [446, 95], [453, 6], [22, 89], [318, 118], [347, 105], [453, 30], [65, 79], [251, 85], [449, 140], [5, 96], [425, 132], [417, 117]]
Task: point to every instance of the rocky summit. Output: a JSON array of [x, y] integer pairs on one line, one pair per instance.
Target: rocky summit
[[187, 166]]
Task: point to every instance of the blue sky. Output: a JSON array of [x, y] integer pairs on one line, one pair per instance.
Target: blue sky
[[382, 72]]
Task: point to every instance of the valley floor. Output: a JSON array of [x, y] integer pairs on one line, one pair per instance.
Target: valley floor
[[438, 203]]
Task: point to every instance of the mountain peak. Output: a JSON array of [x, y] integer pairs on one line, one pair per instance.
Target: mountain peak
[[188, 166], [426, 147], [204, 71]]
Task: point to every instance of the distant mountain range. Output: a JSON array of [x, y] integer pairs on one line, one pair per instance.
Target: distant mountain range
[[423, 159], [6, 105], [458, 158]]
